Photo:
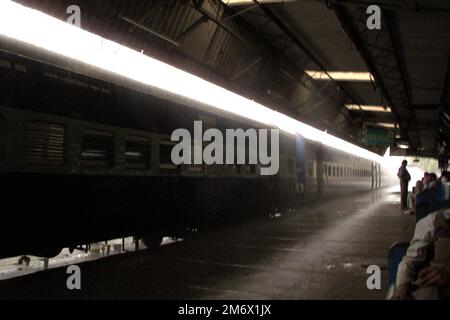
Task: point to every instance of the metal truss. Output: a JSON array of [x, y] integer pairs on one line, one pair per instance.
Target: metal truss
[[382, 56], [285, 40], [444, 119]]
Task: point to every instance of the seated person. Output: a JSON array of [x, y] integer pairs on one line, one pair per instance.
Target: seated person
[[433, 180], [445, 177], [425, 180], [424, 272], [412, 197]]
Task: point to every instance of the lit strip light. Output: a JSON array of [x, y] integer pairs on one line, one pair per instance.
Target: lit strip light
[[386, 124], [38, 29], [367, 108], [339, 75]]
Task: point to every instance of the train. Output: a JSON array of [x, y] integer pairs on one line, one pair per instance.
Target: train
[[85, 159]]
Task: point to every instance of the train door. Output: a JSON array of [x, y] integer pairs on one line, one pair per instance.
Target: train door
[[373, 175], [300, 163], [321, 170], [379, 174]]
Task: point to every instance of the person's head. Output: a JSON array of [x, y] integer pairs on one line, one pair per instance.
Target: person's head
[[445, 177], [404, 163], [419, 186], [426, 178], [433, 176]]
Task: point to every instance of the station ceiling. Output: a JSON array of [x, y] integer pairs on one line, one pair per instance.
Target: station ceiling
[[408, 58]]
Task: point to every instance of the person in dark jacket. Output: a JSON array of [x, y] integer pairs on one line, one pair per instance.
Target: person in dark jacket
[[404, 177]]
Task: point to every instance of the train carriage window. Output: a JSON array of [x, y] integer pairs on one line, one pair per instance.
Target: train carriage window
[[3, 135], [138, 152], [290, 166], [329, 170], [165, 159], [44, 143], [97, 148], [334, 171], [208, 121], [252, 167], [310, 170], [194, 168]]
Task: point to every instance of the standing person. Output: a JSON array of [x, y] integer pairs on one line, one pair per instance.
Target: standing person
[[404, 177]]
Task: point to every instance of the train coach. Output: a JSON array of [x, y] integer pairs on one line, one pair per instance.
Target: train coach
[[85, 160], [85, 148]]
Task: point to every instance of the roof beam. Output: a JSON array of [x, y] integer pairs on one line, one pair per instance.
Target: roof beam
[[444, 106], [394, 87], [294, 39], [422, 106], [445, 96]]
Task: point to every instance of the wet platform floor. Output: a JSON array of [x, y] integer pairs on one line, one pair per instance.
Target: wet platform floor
[[321, 251]]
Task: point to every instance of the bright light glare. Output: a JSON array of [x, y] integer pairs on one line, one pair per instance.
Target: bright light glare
[[386, 124], [368, 108], [340, 75], [38, 29], [403, 145]]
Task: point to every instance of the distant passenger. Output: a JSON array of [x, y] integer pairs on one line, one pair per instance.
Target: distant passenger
[[412, 197], [445, 177], [426, 180], [433, 180], [424, 272], [404, 177], [427, 193]]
